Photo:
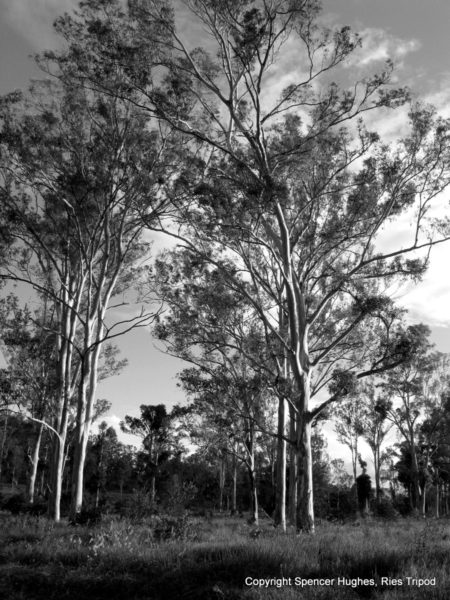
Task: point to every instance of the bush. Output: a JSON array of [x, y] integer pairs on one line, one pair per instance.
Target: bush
[[403, 505], [87, 516], [16, 504], [174, 528], [181, 497], [385, 509]]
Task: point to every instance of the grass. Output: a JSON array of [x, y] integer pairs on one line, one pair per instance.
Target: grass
[[118, 560]]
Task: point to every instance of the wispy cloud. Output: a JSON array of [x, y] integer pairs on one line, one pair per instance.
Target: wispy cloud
[[378, 45], [114, 421]]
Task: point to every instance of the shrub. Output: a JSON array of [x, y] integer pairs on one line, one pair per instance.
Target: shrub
[[174, 528], [15, 504], [385, 509], [87, 516]]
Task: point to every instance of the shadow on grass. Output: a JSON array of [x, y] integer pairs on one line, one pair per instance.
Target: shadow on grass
[[210, 573]]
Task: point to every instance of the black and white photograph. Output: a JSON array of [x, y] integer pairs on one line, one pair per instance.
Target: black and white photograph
[[224, 299]]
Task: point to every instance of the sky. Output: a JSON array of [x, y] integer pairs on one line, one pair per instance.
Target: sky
[[413, 33]]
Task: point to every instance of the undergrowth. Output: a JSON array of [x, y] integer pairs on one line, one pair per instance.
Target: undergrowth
[[194, 558]]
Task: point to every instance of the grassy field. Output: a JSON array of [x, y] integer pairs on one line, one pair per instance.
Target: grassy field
[[211, 559]]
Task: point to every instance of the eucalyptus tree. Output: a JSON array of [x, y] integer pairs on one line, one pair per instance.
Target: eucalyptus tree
[[157, 430], [239, 368], [348, 424], [78, 170], [376, 427], [286, 183], [410, 392], [31, 372]]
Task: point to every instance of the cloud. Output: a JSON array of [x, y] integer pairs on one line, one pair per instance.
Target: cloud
[[439, 94], [114, 421], [378, 45], [428, 301]]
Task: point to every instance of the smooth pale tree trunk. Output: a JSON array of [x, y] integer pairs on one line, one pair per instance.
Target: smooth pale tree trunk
[[34, 460], [68, 316], [100, 469], [222, 476], [293, 471], [250, 462], [57, 465], [234, 484], [417, 492], [54, 506], [280, 495], [79, 441], [447, 487], [424, 501], [88, 390], [377, 469], [253, 492], [305, 506]]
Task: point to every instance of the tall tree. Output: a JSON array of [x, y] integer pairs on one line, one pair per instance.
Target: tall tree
[[288, 185], [78, 170], [156, 428], [410, 390], [376, 426], [349, 427]]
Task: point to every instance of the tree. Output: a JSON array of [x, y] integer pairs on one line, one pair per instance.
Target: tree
[[235, 380], [155, 428], [289, 186], [376, 426], [409, 390], [364, 489], [78, 171], [349, 427], [31, 373], [104, 447]]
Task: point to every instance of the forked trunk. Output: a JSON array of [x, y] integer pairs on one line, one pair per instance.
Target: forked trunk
[[85, 409], [34, 459]]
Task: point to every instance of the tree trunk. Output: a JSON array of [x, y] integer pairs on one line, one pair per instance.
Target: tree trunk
[[222, 475], [2, 447], [100, 474], [423, 507], [34, 465], [253, 493], [305, 506], [234, 485], [280, 495], [417, 494], [293, 482], [56, 475], [65, 353], [88, 390], [376, 464], [153, 489], [436, 513]]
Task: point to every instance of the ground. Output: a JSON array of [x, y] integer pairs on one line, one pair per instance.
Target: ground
[[217, 557]]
